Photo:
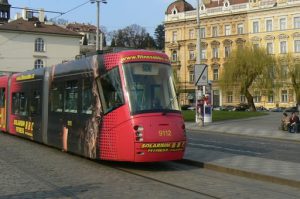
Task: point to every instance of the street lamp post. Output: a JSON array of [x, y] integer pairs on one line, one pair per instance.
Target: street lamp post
[[98, 47], [198, 94]]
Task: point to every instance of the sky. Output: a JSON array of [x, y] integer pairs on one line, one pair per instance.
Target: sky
[[114, 15]]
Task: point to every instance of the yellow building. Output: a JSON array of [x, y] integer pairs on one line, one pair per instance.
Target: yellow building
[[224, 24]]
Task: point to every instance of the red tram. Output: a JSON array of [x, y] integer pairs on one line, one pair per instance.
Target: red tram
[[117, 106]]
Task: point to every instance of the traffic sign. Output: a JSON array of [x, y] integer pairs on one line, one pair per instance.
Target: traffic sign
[[201, 74]]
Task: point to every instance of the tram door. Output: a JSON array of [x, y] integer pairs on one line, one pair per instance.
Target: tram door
[[2, 109]]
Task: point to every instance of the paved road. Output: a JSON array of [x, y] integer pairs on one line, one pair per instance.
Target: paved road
[[249, 146], [263, 168], [30, 170]]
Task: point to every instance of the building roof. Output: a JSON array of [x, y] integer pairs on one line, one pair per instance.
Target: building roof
[[218, 3], [4, 2], [79, 27], [180, 5], [34, 26]]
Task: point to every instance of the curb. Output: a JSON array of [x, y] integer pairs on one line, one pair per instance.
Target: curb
[[242, 173], [245, 135]]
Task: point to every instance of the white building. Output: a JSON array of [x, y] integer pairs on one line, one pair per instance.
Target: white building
[[29, 42]]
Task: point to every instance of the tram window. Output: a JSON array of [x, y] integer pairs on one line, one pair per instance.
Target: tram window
[[71, 96], [87, 97], [56, 99], [2, 97], [19, 105], [35, 101], [112, 90]]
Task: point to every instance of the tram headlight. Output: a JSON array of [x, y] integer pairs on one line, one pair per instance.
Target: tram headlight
[[138, 128], [138, 133]]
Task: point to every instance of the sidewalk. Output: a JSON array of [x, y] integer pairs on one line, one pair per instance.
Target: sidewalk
[[281, 172]]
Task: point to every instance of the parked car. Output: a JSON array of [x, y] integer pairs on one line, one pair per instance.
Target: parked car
[[276, 109], [217, 108], [261, 108], [291, 109], [227, 108], [242, 107]]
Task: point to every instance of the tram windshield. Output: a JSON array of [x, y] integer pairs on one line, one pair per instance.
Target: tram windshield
[[150, 87]]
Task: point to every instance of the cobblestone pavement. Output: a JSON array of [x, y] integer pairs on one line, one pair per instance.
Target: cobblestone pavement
[[30, 170], [261, 168]]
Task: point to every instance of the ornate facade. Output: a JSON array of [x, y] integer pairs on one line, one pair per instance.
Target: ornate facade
[[225, 24]]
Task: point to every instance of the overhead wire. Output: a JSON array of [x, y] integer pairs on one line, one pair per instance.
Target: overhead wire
[[61, 14]]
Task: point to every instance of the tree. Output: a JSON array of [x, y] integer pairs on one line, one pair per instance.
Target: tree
[[113, 43], [245, 66], [160, 36], [288, 71], [133, 36], [85, 41]]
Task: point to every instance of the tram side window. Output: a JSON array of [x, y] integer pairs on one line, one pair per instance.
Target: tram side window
[[87, 97], [112, 90], [56, 99], [71, 96], [2, 97], [35, 102], [19, 105]]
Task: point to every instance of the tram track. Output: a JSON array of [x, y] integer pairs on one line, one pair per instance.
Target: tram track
[[129, 171]]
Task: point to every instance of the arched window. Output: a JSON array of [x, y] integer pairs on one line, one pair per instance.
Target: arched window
[[38, 64], [39, 45]]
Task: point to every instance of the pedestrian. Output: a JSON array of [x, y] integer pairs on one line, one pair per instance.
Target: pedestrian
[[285, 122], [294, 123]]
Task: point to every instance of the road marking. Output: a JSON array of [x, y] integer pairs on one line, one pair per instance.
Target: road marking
[[223, 148]]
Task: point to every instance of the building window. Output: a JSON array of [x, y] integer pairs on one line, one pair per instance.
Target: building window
[[227, 30], [240, 28], [270, 97], [39, 45], [269, 26], [38, 64], [214, 31], [227, 51], [215, 52], [297, 46], [296, 22], [255, 27], [229, 97], [174, 36], [284, 96], [257, 97], [192, 55], [255, 46], [283, 48], [282, 23], [216, 74], [203, 53], [192, 76], [202, 33], [284, 70], [174, 55], [270, 48], [243, 99], [191, 34]]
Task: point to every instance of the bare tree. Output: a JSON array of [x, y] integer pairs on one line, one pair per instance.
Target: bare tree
[[245, 66], [133, 36]]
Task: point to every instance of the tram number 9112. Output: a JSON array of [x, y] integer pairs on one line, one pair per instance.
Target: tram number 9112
[[165, 133]]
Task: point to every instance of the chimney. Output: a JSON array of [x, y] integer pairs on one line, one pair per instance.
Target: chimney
[[27, 14], [42, 15]]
